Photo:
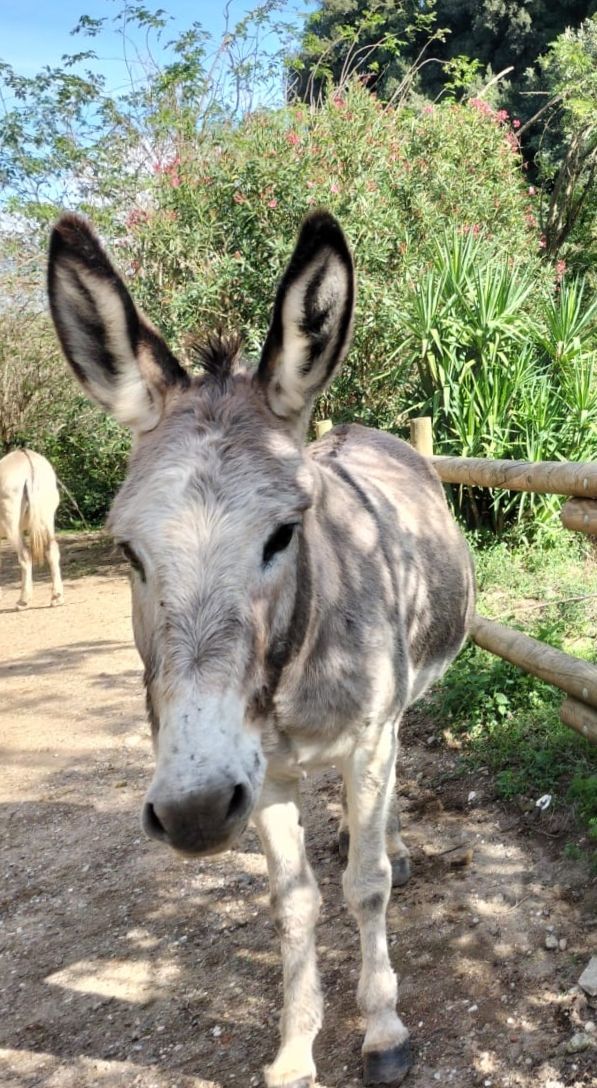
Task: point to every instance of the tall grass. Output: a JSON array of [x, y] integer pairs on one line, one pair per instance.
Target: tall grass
[[506, 368]]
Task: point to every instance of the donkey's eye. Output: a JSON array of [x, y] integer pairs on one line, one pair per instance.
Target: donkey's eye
[[278, 541], [133, 559]]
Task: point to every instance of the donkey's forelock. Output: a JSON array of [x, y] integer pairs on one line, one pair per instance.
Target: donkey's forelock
[[219, 355]]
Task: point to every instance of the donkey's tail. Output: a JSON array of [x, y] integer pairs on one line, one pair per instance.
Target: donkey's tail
[[39, 536]]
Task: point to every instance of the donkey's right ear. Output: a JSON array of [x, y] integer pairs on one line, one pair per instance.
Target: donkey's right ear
[[118, 356]]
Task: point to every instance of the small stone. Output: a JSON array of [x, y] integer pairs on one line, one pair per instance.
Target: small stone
[[563, 944], [475, 921], [551, 941], [120, 785], [590, 1026], [588, 979], [580, 1041], [473, 1008]]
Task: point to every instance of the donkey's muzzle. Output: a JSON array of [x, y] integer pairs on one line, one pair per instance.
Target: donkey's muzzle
[[202, 822]]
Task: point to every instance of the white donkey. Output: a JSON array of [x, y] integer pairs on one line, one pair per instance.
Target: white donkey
[[28, 501], [288, 602]]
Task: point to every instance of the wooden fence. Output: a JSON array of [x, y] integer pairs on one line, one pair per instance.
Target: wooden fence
[[578, 679]]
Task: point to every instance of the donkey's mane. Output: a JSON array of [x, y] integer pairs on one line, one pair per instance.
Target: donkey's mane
[[219, 355]]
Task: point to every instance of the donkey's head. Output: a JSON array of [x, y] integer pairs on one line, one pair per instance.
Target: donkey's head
[[212, 515]]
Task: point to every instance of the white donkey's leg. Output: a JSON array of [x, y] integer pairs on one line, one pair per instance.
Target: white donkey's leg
[[369, 777], [53, 552], [295, 904], [25, 563], [399, 854], [53, 558]]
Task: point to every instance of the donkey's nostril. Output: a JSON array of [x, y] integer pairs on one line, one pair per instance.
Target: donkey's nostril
[[239, 802], [152, 824]]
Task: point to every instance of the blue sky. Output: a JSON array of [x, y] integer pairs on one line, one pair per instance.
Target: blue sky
[[34, 33]]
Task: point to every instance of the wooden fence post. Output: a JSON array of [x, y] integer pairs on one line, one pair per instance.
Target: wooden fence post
[[580, 717], [322, 426], [421, 435], [581, 515]]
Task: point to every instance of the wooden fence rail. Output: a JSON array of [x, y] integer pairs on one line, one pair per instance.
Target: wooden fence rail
[[543, 477], [577, 678]]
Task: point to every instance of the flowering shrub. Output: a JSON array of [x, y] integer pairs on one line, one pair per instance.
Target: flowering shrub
[[224, 216]]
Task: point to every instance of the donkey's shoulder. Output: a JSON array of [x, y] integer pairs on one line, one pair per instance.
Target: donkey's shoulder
[[354, 445]]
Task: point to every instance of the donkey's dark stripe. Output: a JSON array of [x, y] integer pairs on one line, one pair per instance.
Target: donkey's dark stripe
[[286, 647], [384, 544]]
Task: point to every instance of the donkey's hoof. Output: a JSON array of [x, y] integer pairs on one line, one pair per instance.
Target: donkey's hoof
[[400, 871], [21, 605], [387, 1066], [57, 601], [343, 844]]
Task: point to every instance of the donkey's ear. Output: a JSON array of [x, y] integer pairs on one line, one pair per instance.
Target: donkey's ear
[[120, 359], [312, 320]]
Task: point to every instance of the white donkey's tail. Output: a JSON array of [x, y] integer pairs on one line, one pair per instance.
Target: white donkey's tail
[[39, 536], [38, 493]]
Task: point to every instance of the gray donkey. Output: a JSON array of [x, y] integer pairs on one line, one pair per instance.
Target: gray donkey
[[289, 602]]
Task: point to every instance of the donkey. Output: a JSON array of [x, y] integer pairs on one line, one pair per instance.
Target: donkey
[[28, 501], [289, 602]]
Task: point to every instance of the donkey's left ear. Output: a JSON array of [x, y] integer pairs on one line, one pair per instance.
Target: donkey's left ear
[[120, 359], [312, 320]]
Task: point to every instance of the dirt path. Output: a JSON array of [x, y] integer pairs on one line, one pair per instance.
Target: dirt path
[[122, 965]]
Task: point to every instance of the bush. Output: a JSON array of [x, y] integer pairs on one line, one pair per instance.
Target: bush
[[41, 407], [209, 245], [506, 366], [507, 720]]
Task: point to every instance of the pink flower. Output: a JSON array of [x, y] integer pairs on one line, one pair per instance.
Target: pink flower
[[512, 141], [174, 180], [293, 138], [560, 270], [515, 122], [339, 101], [427, 109], [532, 190], [273, 203], [542, 242], [310, 185], [137, 216], [238, 198], [334, 188]]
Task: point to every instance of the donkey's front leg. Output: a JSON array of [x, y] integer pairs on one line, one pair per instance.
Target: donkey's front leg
[[295, 903], [369, 777]]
